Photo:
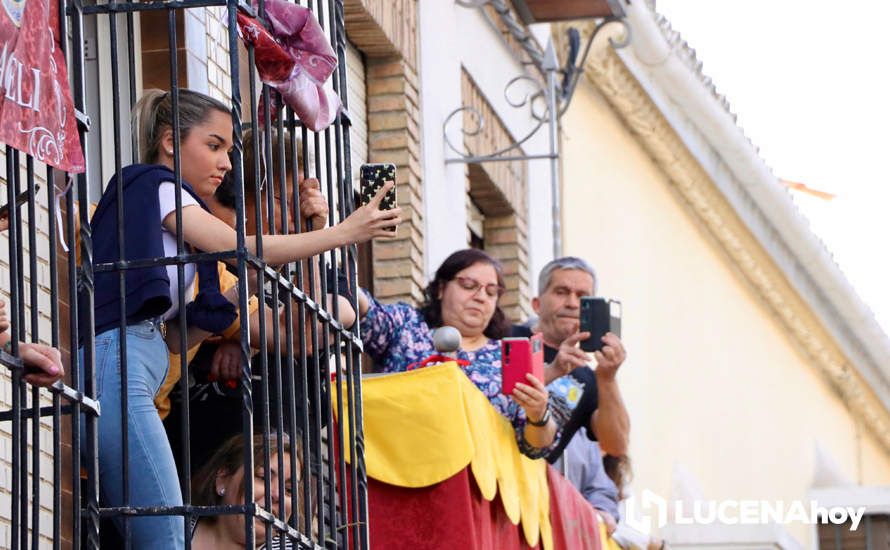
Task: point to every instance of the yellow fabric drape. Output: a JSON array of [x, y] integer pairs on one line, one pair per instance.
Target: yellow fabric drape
[[607, 542], [424, 426]]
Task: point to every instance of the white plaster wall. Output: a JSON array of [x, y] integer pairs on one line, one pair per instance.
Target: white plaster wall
[[444, 185], [713, 384], [452, 36]]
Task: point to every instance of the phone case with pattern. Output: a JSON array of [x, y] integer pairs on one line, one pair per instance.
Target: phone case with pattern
[[373, 177]]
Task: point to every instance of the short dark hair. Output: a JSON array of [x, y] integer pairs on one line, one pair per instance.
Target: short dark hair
[[499, 326]]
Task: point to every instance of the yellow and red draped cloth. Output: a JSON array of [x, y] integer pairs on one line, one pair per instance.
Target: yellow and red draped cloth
[[444, 471]]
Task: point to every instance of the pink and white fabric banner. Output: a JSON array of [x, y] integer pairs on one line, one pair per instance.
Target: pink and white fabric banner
[[295, 58], [36, 110]]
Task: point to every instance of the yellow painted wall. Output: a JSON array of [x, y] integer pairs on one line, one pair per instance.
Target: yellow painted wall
[[711, 381]]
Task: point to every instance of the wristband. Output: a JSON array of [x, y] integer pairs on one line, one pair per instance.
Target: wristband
[[544, 419], [7, 347]]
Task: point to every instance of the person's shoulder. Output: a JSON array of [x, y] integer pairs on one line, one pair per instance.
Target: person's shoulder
[[155, 172], [403, 310], [411, 313]]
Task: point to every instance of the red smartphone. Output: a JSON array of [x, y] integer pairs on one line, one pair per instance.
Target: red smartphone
[[521, 356]]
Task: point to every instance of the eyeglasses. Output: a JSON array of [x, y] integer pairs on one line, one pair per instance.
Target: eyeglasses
[[492, 290]]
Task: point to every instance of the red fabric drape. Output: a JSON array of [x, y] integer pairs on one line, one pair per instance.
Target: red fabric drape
[[36, 110], [452, 514], [574, 521]]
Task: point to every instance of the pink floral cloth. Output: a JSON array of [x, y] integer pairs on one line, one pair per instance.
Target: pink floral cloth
[[296, 59]]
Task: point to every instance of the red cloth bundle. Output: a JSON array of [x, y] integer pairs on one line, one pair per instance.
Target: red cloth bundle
[[296, 59]]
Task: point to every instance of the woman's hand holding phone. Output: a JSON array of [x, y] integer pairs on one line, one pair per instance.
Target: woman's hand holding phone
[[369, 222], [532, 397]]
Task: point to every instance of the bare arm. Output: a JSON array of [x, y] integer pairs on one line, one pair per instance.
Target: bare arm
[[346, 313], [363, 304], [208, 233], [610, 421]]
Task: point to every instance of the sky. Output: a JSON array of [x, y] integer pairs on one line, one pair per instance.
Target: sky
[[811, 88]]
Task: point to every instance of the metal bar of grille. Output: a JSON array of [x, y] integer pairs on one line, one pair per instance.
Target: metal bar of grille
[[308, 495], [35, 392], [76, 378], [52, 207], [122, 282], [18, 317], [83, 333], [262, 397], [17, 405], [246, 378], [133, 7]]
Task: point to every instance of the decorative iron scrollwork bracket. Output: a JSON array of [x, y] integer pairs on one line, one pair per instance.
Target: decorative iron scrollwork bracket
[[552, 97], [538, 99]]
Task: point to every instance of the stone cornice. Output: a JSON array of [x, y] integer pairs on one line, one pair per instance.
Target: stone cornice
[[709, 206]]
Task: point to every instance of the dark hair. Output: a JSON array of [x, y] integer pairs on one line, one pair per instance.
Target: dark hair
[[227, 459], [431, 309], [619, 471], [250, 162], [154, 112]]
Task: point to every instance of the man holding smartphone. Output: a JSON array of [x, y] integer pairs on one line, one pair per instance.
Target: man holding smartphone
[[594, 392]]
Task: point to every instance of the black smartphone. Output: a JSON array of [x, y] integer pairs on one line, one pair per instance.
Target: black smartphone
[[599, 316], [20, 200], [372, 178]]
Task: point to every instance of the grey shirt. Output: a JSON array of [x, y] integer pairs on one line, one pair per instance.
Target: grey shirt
[[584, 470]]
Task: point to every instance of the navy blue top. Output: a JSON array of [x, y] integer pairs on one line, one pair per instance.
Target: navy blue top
[[148, 288]]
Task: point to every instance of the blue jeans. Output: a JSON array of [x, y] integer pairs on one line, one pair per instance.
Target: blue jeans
[[152, 472]]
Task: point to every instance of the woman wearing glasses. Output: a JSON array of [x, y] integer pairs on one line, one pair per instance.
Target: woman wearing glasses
[[464, 294]]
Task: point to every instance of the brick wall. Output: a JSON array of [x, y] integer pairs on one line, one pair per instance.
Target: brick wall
[[41, 279], [385, 31], [382, 28], [218, 76]]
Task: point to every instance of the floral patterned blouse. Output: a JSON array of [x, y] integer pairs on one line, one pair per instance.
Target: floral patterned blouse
[[396, 336]]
